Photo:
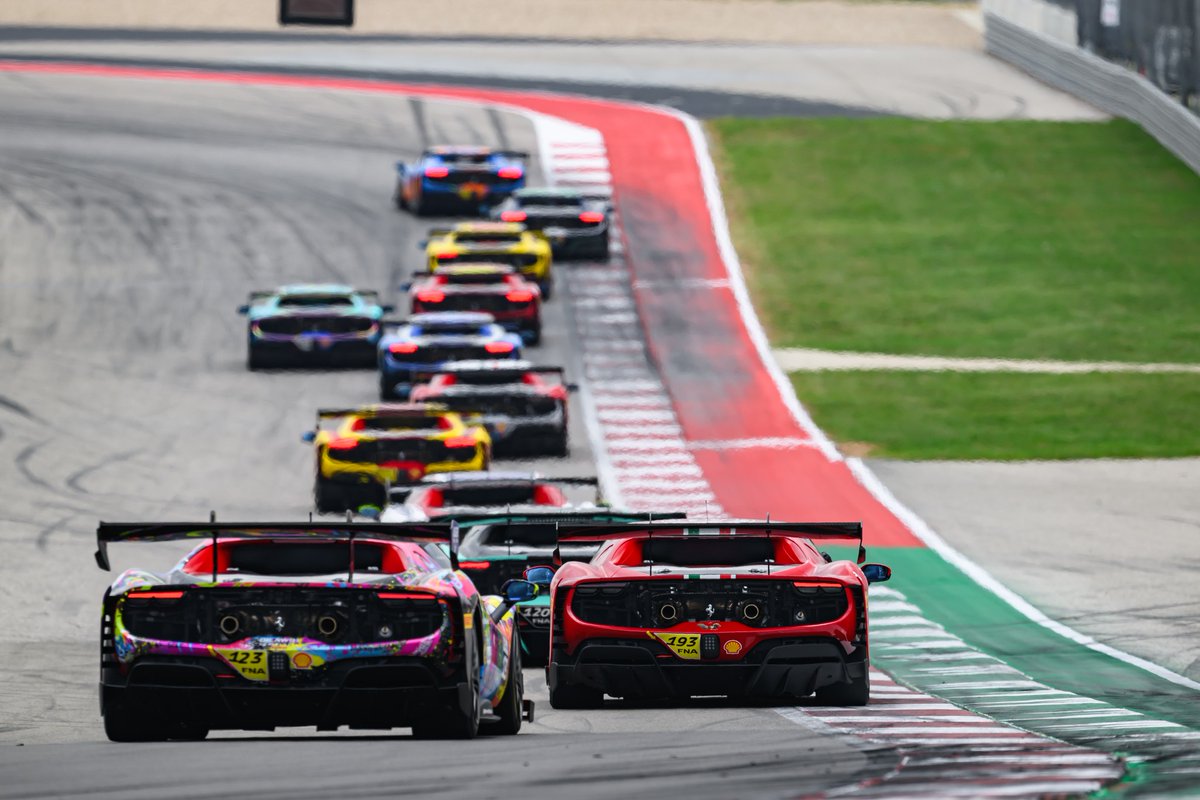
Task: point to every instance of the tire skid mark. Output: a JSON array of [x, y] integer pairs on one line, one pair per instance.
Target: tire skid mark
[[74, 480]]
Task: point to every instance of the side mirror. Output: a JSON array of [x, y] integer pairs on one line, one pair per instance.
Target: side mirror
[[387, 308], [572, 387], [423, 243], [401, 167], [308, 437], [404, 287], [876, 573], [518, 591], [540, 576], [243, 309]]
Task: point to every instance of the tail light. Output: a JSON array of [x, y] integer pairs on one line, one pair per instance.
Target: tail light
[[498, 347], [175, 595], [404, 596], [474, 565], [519, 296], [402, 347], [343, 443], [513, 216], [460, 441], [591, 216], [816, 585], [431, 296], [510, 173], [436, 172], [449, 255], [359, 424]]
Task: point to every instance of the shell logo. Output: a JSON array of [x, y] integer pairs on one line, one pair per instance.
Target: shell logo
[[302, 661], [733, 647]]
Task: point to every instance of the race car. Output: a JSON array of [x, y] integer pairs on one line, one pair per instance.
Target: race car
[[362, 452], [458, 180], [576, 224], [522, 412], [267, 625], [500, 242], [496, 289], [743, 609], [427, 342], [451, 493], [313, 324]]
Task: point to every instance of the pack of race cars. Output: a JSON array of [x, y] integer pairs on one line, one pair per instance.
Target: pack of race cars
[[420, 612]]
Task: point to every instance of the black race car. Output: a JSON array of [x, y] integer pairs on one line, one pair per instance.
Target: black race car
[[575, 224]]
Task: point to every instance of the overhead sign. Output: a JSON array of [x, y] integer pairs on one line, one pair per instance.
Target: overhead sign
[[316, 12]]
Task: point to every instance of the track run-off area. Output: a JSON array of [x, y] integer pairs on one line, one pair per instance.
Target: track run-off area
[[975, 694]]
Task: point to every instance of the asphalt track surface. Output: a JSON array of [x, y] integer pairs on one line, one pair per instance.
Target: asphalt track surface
[[137, 214]]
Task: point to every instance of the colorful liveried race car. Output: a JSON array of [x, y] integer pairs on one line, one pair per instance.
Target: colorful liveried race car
[[743, 609], [523, 412], [428, 342], [496, 289], [499, 242], [458, 180], [313, 324], [267, 625], [362, 452], [576, 224]]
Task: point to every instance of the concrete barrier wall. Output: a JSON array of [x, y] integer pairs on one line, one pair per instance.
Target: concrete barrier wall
[[1054, 20], [1107, 86]]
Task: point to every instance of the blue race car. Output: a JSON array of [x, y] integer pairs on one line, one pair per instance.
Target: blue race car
[[313, 324], [428, 342], [458, 180]]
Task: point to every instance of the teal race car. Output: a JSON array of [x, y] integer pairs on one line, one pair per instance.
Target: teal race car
[[313, 324]]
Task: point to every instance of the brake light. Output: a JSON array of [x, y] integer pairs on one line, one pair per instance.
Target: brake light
[[402, 347], [816, 585], [498, 347], [358, 424], [460, 441], [449, 255], [510, 173], [404, 596], [157, 595], [343, 443], [431, 296], [591, 216], [519, 296], [513, 216], [436, 172], [474, 565]]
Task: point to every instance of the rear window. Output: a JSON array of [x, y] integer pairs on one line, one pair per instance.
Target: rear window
[[478, 237], [302, 558], [497, 378], [466, 159], [521, 534], [311, 300], [472, 279], [704, 552], [558, 201], [509, 495], [414, 423]]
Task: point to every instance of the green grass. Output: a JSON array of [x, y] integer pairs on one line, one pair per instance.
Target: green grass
[[1010, 239], [1006, 416]]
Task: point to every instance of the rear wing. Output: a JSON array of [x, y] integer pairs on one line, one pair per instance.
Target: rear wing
[[116, 532], [432, 232], [516, 154], [400, 493], [503, 368], [563, 518], [809, 530]]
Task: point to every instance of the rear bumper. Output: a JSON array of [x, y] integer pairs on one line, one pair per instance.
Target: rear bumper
[[581, 244], [356, 352], [776, 668], [361, 693]]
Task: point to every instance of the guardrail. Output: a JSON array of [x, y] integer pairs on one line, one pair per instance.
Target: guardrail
[[1110, 87]]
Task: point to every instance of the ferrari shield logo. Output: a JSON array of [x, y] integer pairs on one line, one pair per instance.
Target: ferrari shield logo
[[472, 190]]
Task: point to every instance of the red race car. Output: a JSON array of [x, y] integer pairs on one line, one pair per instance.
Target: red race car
[[522, 411], [498, 289], [750, 611]]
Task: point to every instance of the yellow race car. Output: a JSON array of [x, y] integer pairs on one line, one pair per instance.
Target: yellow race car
[[495, 242], [361, 452]]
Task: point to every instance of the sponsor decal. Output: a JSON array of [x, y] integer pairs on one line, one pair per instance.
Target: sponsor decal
[[733, 647], [472, 190], [250, 664]]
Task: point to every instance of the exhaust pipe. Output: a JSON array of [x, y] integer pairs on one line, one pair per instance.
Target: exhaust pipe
[[668, 612], [750, 612], [230, 625], [328, 625]]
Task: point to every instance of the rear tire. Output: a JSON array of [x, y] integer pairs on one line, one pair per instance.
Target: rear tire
[[387, 389], [855, 693], [452, 723], [328, 497], [511, 709], [534, 337], [547, 287], [575, 697], [255, 360]]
